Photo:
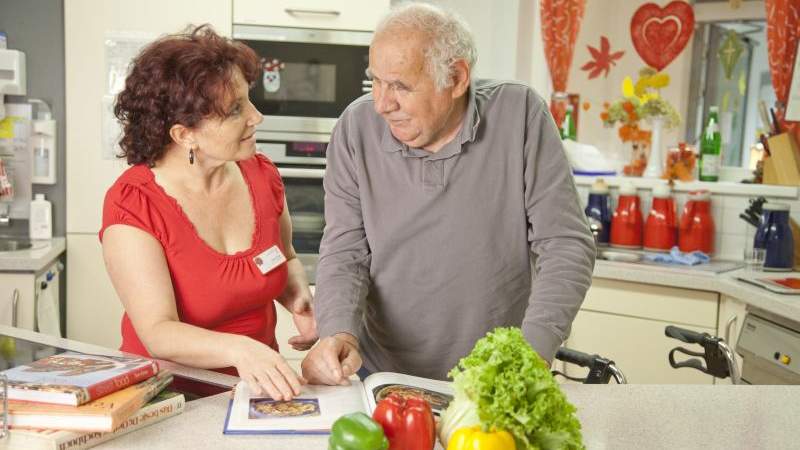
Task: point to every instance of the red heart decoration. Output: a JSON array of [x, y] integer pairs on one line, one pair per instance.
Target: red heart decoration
[[660, 34]]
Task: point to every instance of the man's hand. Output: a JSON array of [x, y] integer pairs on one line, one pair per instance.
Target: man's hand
[[333, 360]]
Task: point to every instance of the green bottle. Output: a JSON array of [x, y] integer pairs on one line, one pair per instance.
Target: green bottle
[[710, 147], [568, 130]]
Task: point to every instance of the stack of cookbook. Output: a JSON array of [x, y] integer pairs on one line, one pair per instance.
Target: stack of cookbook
[[74, 400]]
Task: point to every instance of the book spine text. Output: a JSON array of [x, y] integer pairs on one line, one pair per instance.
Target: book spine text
[[120, 382]]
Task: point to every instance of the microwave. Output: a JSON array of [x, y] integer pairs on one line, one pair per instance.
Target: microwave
[[300, 158], [308, 76]]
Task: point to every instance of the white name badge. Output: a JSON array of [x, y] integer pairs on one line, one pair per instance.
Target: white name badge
[[269, 259]]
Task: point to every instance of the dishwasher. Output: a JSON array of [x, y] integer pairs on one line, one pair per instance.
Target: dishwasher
[[770, 348]]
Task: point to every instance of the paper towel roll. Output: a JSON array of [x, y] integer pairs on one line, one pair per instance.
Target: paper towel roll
[[47, 314]]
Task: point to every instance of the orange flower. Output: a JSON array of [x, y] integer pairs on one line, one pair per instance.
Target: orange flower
[[628, 107]]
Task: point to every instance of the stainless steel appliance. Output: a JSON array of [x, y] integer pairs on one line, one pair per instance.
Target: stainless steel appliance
[[309, 76], [301, 162], [770, 348]]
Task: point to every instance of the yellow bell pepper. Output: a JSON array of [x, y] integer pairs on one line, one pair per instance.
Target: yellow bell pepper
[[472, 438]]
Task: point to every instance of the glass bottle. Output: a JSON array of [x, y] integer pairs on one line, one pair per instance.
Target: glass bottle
[[568, 130], [710, 147]]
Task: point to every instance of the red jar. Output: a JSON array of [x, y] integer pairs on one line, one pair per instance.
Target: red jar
[[696, 230], [661, 227], [626, 224]]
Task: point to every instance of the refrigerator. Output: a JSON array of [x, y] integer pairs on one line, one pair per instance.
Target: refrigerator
[[99, 36]]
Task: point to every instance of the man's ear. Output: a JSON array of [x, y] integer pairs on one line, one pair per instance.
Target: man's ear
[[460, 76], [182, 135]]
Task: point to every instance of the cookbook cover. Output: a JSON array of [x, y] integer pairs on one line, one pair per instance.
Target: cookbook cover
[[75, 378]]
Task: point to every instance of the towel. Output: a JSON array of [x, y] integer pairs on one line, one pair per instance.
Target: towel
[[47, 313], [675, 256]]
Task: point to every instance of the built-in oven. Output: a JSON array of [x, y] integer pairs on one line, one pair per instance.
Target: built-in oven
[[308, 76], [300, 159]]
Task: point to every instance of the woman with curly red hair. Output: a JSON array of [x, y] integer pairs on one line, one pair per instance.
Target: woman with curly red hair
[[196, 234]]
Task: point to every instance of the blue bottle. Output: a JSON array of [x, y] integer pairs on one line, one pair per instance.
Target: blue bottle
[[598, 209], [775, 235]]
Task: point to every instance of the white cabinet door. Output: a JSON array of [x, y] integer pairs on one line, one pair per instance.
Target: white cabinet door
[[347, 15], [731, 318], [17, 300], [625, 322], [637, 346], [93, 308]]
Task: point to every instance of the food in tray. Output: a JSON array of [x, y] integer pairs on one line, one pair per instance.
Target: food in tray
[[437, 400], [269, 409]]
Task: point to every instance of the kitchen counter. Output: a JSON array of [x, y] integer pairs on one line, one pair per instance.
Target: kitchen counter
[[724, 283], [612, 417], [33, 259]]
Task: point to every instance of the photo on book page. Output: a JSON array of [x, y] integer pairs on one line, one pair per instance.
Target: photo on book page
[[437, 393], [266, 408], [437, 400], [313, 412]]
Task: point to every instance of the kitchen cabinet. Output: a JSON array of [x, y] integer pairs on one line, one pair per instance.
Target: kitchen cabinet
[[20, 294], [625, 322], [731, 318], [17, 299], [93, 308], [350, 15]]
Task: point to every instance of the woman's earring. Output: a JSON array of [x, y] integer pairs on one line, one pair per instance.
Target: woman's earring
[[191, 156]]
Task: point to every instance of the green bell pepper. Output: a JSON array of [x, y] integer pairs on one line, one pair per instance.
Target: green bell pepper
[[357, 431]]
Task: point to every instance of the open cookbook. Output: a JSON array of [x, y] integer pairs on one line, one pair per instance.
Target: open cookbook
[[317, 407]]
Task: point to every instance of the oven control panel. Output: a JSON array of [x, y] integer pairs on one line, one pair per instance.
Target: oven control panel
[[772, 344]]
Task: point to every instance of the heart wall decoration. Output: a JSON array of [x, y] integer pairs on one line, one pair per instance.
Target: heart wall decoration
[[660, 34]]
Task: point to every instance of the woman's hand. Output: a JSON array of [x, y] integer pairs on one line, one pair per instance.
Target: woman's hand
[[298, 302], [265, 370]]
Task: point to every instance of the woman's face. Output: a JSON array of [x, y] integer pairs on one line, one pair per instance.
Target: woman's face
[[230, 138]]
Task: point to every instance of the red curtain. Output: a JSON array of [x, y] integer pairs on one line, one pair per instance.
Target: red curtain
[[783, 30], [561, 20]]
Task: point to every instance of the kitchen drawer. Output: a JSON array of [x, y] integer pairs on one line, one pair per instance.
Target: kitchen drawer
[[648, 301], [348, 15]]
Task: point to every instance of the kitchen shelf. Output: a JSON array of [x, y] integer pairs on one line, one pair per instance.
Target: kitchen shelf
[[721, 187]]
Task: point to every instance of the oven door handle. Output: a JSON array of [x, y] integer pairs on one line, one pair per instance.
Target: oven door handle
[[294, 172], [319, 12]]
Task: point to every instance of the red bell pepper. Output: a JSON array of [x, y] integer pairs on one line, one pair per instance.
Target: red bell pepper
[[407, 422]]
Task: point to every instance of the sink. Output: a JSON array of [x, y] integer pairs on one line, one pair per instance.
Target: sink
[[8, 244]]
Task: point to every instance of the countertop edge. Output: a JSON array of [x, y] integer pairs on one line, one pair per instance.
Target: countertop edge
[[34, 259]]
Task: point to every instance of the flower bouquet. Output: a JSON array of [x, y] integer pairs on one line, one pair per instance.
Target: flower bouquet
[[640, 101]]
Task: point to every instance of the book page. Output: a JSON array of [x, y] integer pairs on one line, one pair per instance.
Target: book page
[[380, 384], [312, 412]]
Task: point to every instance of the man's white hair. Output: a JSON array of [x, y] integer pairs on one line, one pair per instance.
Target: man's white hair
[[449, 37]]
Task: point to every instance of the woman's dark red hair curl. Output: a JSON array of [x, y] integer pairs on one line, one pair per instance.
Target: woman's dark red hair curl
[[178, 79]]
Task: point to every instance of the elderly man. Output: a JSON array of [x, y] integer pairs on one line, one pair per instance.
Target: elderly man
[[450, 210]]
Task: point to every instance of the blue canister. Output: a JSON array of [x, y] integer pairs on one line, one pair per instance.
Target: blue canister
[[598, 208], [774, 234]]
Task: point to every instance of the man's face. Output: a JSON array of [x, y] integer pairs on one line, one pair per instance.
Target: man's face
[[404, 92]]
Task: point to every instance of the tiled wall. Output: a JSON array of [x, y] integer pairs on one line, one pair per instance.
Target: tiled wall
[[730, 229]]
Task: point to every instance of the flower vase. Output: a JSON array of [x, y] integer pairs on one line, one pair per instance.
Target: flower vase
[[655, 163]]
